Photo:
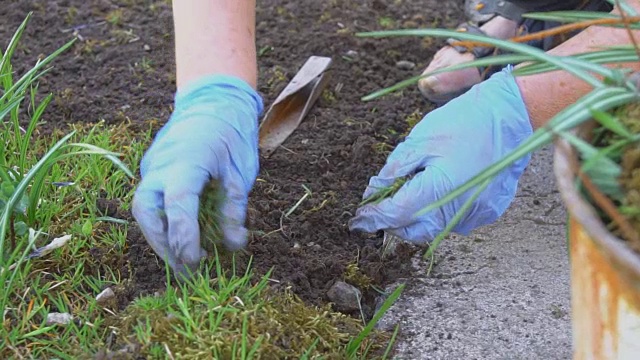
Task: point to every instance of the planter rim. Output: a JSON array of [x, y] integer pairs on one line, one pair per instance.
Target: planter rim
[[613, 247]]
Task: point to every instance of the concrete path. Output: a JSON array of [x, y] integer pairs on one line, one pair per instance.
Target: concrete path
[[500, 293]]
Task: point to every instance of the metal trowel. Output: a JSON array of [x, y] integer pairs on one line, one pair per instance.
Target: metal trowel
[[293, 104]]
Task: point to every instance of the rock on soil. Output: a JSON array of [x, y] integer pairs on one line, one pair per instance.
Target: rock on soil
[[405, 65], [59, 318], [345, 297], [105, 296]]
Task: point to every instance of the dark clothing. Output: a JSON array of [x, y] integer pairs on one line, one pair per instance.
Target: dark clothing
[[514, 9]]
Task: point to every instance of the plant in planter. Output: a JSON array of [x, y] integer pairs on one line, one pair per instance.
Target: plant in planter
[[603, 235], [596, 162]]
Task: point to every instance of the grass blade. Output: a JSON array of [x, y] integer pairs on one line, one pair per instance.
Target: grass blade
[[25, 144], [607, 56], [355, 344], [307, 353], [612, 123], [610, 56], [22, 187], [96, 150], [5, 63], [570, 16], [603, 171], [496, 60], [579, 68], [7, 108], [455, 220], [391, 342], [33, 74]]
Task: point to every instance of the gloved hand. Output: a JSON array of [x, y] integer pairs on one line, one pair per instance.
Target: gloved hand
[[212, 134], [449, 146]]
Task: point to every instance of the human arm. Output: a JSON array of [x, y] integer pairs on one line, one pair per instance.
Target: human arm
[[215, 37], [457, 141], [211, 134], [548, 93]]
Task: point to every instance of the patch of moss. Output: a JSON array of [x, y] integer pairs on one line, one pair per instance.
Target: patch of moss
[[235, 321], [412, 120], [328, 96], [382, 148], [386, 22], [353, 275], [277, 77], [70, 17], [114, 17]]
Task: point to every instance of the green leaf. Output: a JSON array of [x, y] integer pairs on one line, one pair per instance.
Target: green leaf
[[569, 16], [494, 60], [612, 55], [603, 172], [612, 123], [37, 332], [110, 155], [456, 219], [23, 205], [21, 228], [22, 187], [523, 53], [87, 228], [5, 62], [27, 79], [391, 342], [7, 189]]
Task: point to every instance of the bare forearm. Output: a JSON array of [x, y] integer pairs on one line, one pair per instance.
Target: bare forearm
[[215, 37], [547, 94]]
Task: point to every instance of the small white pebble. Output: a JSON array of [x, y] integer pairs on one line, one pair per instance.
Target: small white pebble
[[146, 47], [405, 65], [106, 295], [59, 318]]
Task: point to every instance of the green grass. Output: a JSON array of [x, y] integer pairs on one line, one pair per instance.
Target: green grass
[[227, 316], [50, 187]]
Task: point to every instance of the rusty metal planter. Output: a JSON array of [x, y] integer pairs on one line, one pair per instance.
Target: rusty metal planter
[[605, 276]]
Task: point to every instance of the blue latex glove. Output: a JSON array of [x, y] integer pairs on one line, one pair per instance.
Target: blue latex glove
[[212, 134], [448, 147]]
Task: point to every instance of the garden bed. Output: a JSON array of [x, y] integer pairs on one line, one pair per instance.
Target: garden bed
[[121, 70]]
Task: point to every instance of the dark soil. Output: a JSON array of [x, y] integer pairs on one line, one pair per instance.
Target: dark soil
[[122, 69]]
